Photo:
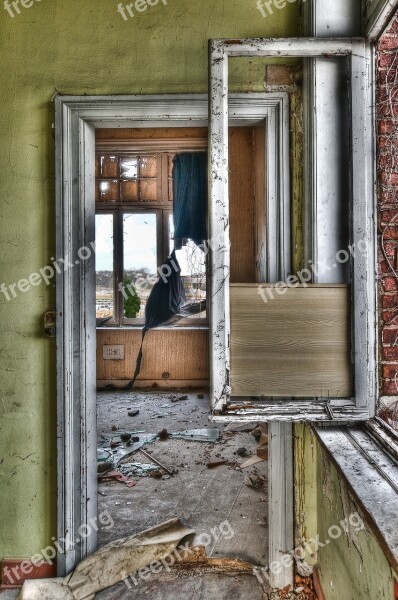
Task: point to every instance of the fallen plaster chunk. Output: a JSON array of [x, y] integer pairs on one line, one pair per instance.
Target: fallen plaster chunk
[[109, 565], [46, 589]]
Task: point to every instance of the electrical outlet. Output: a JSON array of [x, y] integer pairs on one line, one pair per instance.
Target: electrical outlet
[[112, 352]]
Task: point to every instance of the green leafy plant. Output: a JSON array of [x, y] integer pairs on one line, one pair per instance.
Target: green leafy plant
[[132, 302]]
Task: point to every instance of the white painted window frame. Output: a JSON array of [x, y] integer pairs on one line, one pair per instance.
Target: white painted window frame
[[377, 16], [362, 406], [76, 120]]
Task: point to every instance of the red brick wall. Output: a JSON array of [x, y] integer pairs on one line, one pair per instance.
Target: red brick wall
[[387, 172]]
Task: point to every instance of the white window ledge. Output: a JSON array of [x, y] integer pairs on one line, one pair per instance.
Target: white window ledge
[[367, 458]]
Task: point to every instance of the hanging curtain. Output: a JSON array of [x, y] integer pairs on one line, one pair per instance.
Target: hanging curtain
[[190, 198]]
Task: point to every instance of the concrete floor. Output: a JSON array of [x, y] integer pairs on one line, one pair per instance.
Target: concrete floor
[[226, 514], [205, 587]]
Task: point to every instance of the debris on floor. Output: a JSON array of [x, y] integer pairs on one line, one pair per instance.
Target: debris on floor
[[110, 565], [138, 469], [118, 476], [208, 490], [254, 481], [303, 590], [253, 460], [261, 436], [158, 463], [245, 427], [210, 435], [196, 561], [179, 398], [113, 449]]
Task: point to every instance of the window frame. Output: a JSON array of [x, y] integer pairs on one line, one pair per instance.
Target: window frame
[[163, 208], [362, 405]]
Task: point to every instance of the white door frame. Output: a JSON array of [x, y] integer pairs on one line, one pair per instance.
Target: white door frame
[[76, 120]]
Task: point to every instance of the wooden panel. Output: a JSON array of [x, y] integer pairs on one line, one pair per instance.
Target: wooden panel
[[259, 189], [296, 344], [241, 190], [182, 353], [151, 133]]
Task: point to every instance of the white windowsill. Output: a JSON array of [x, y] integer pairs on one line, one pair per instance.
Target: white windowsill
[[367, 458]]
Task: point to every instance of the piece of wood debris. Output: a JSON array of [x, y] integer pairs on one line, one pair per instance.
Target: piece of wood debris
[[253, 460], [197, 560]]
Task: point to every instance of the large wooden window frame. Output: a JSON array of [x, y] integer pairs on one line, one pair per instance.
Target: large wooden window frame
[[162, 207], [362, 405]]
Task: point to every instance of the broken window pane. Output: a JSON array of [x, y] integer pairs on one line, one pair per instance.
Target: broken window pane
[[192, 261], [108, 190], [129, 167], [109, 166]]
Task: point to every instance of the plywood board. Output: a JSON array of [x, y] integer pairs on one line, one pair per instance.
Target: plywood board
[[294, 345], [182, 353]]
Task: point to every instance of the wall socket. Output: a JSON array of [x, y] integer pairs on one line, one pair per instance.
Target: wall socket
[[112, 352]]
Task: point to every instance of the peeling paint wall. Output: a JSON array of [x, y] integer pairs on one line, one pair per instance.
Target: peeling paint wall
[[305, 486], [352, 566], [73, 47]]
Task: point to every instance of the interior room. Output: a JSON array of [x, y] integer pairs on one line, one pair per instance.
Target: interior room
[[159, 456], [199, 300]]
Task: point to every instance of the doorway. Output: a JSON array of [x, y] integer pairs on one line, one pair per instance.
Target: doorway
[[158, 455], [77, 119]]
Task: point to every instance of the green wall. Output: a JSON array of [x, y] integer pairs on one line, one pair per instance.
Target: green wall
[[353, 566], [76, 47]]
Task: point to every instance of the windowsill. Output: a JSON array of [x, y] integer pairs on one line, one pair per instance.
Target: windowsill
[[140, 327], [368, 462]]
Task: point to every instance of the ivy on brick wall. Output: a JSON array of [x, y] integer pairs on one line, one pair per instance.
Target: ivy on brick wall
[[387, 178]]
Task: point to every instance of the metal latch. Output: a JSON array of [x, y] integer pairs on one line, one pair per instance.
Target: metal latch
[[49, 323]]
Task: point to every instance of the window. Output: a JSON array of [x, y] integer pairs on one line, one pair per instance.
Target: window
[[134, 236], [227, 322]]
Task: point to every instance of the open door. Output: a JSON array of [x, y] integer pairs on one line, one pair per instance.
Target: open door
[[295, 350]]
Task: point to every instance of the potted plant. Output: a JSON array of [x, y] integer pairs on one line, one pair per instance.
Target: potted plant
[[132, 301]]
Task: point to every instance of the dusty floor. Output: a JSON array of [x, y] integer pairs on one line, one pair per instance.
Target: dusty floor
[[228, 516]]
